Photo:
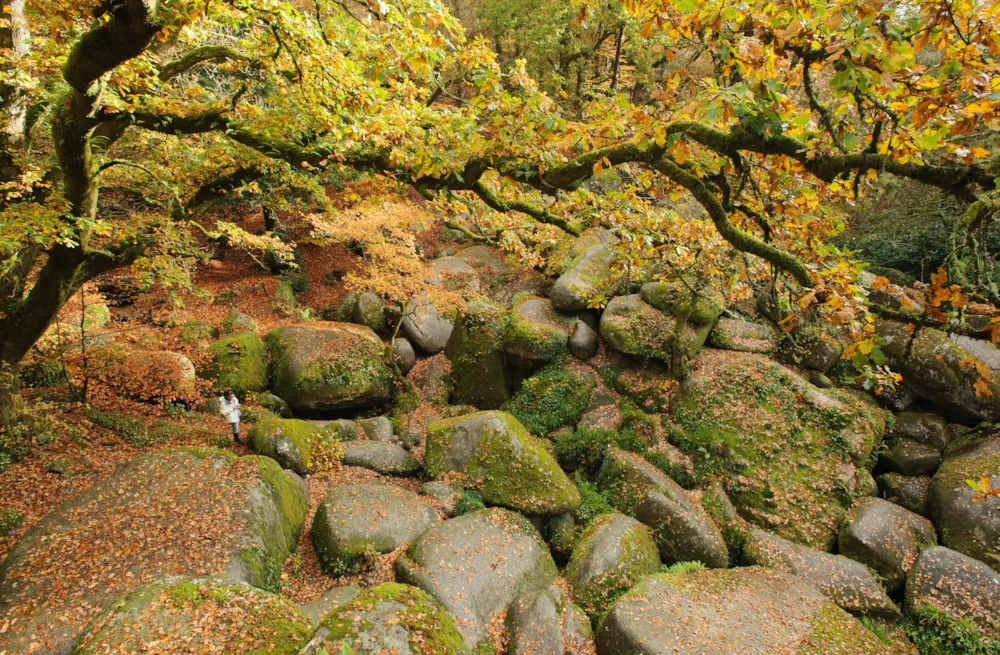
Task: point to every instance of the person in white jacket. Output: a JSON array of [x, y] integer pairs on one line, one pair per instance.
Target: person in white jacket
[[229, 407]]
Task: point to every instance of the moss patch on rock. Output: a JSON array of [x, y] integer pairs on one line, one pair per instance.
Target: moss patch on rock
[[239, 363], [555, 396]]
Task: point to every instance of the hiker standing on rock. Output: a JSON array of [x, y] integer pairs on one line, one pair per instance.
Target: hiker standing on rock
[[229, 407]]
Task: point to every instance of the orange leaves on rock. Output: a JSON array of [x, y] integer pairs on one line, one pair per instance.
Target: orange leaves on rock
[[983, 489], [982, 385]]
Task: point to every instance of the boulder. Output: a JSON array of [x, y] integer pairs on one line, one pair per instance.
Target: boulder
[[588, 275], [683, 531], [237, 323], [476, 565], [288, 441], [194, 332], [505, 463], [238, 362], [369, 310], [969, 526], [844, 581], [897, 399], [404, 354], [546, 623], [184, 511], [377, 428], [612, 555], [273, 404], [910, 491], [909, 457], [454, 274], [205, 615], [736, 415], [356, 520], [328, 366], [431, 378], [820, 350], [963, 588], [745, 610], [680, 300], [445, 497], [336, 597], [390, 618], [535, 334], [427, 327], [744, 336], [487, 262], [158, 376], [886, 538], [928, 429], [582, 341], [554, 397], [380, 456], [475, 351], [634, 327], [937, 367]]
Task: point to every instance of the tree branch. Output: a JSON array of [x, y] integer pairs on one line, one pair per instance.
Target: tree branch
[[197, 56]]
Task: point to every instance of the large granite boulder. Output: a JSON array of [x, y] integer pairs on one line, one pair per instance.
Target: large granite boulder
[[184, 511], [238, 362], [362, 308], [329, 366], [679, 299], [535, 334], [507, 465], [634, 327], [425, 325], [937, 367], [588, 275], [723, 612], [790, 455], [156, 376], [963, 588], [546, 623], [288, 441], [204, 615], [380, 456], [612, 555], [744, 336], [476, 565], [886, 538], [969, 526], [846, 582], [476, 353], [359, 519], [682, 528], [390, 618]]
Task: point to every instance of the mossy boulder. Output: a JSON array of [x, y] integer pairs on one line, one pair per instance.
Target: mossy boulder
[[287, 441], [554, 397], [357, 520], [238, 362], [682, 528], [846, 582], [381, 457], [886, 538], [389, 618], [937, 367], [273, 404], [910, 491], [205, 615], [614, 553], [970, 527], [790, 455], [546, 622], [329, 366], [535, 334], [744, 336], [964, 589], [680, 300], [428, 327], [909, 457], [476, 565], [476, 353], [237, 323], [745, 610], [588, 275], [502, 460], [186, 511], [922, 427], [196, 331]]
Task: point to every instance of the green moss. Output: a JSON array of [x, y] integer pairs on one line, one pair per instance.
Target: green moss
[[594, 503], [553, 397], [431, 630], [266, 436], [832, 625], [475, 351], [678, 300], [195, 330], [237, 322], [934, 632], [9, 521], [239, 363]]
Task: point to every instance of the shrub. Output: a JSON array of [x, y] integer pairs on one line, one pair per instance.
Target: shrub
[[35, 425], [593, 502], [9, 521], [584, 449], [327, 451], [470, 501], [682, 567]]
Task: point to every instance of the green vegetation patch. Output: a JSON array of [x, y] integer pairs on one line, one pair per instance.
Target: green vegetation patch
[[553, 397]]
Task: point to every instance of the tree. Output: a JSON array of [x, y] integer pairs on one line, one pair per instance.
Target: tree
[[781, 111]]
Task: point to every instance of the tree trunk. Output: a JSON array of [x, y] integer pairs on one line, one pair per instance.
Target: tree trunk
[[10, 393]]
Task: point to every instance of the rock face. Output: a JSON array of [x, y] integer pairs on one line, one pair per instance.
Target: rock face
[[588, 275], [389, 618], [936, 367], [354, 520], [959, 586], [328, 366], [612, 555], [847, 583], [508, 466], [476, 565], [736, 413], [380, 456], [148, 520], [476, 353], [972, 528], [176, 609], [745, 610], [633, 327], [744, 336], [425, 326], [545, 623], [535, 334], [682, 529], [886, 538], [239, 363], [287, 441]]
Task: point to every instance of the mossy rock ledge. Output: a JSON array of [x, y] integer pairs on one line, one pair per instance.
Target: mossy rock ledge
[[321, 367], [502, 460], [148, 520], [206, 615]]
